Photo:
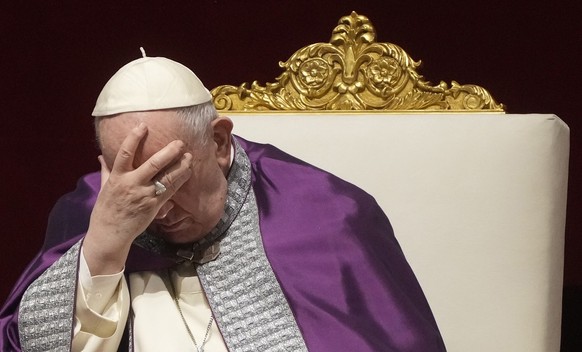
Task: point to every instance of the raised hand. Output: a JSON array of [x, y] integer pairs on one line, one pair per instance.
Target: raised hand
[[127, 202]]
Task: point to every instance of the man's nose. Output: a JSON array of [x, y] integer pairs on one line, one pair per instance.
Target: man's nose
[[164, 210]]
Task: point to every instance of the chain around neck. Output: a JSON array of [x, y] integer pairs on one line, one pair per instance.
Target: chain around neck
[[176, 299]]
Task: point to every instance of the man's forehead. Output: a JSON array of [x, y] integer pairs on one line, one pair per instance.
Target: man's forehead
[[163, 127], [158, 122]]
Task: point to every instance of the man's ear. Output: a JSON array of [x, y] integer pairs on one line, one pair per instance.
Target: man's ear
[[222, 136]]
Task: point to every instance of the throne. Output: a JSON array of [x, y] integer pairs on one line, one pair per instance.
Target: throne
[[476, 196]]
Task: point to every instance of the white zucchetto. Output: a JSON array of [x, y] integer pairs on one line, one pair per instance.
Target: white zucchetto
[[150, 83]]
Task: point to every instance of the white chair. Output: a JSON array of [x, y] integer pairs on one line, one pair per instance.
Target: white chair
[[476, 197]]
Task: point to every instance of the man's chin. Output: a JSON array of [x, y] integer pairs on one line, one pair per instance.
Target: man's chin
[[182, 237]]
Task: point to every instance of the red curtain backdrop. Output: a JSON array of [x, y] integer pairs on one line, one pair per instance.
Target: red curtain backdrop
[[56, 57]]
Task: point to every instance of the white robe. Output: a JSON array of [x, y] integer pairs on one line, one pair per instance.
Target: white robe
[[103, 306]]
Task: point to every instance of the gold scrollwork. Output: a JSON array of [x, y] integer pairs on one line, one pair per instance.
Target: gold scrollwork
[[352, 72]]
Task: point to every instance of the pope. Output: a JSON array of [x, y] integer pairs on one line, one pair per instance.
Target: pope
[[191, 238]]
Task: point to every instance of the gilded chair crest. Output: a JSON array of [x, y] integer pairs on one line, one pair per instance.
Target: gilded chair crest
[[352, 72]]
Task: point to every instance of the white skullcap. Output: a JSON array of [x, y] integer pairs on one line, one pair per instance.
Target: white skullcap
[[150, 83]]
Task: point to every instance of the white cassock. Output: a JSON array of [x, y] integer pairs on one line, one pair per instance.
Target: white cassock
[[103, 306]]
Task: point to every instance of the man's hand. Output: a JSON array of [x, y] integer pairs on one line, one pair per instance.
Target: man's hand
[[127, 202]]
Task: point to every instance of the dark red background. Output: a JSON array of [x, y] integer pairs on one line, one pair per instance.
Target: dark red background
[[56, 57]]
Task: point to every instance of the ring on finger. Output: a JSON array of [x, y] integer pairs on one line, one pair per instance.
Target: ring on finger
[[159, 188]]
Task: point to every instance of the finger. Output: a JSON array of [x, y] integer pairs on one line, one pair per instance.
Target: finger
[[176, 175], [126, 154], [162, 159], [105, 172]]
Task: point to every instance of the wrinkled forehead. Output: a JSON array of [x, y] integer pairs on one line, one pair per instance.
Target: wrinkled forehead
[[163, 127]]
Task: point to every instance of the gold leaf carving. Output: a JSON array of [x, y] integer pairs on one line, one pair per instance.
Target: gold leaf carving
[[352, 72]]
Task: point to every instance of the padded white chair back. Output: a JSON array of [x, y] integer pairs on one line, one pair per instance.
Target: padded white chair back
[[477, 202]]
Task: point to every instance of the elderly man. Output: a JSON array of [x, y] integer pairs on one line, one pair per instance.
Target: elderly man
[[191, 239]]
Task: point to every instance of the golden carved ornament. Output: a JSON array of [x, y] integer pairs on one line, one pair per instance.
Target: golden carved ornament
[[352, 72]]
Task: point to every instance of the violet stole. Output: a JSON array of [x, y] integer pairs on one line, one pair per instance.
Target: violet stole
[[334, 253]]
